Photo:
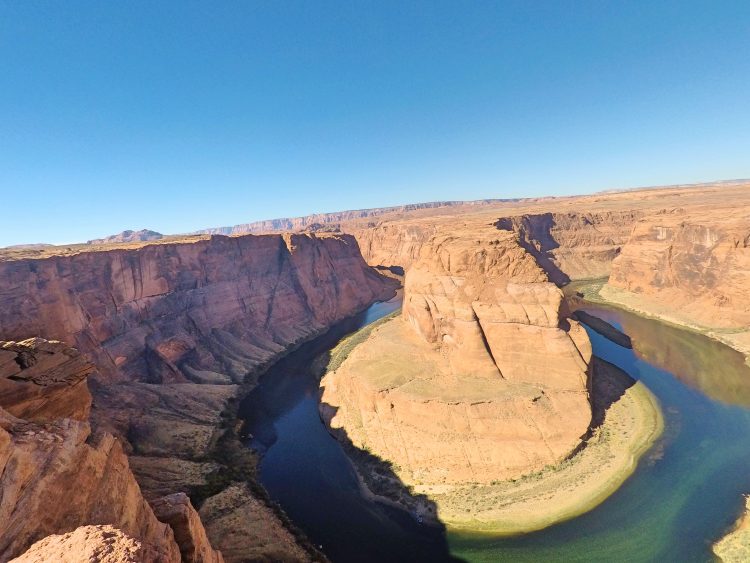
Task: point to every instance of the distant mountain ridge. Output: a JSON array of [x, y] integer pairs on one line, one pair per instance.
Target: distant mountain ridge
[[320, 221], [128, 236]]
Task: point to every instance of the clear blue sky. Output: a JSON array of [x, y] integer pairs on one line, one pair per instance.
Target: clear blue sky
[[178, 116]]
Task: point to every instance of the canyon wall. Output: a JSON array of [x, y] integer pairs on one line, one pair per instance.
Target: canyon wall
[[57, 475], [690, 269], [175, 330], [573, 245], [567, 245], [206, 312]]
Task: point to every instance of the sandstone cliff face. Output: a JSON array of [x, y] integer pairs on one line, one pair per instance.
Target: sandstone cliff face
[[174, 329], [41, 380], [209, 312], [696, 266], [573, 245], [481, 380], [55, 475], [393, 244]]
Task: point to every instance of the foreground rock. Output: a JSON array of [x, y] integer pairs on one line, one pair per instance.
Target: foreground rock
[[176, 330], [103, 544], [56, 475]]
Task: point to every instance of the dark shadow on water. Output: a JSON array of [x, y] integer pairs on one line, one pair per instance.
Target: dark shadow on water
[[309, 474], [603, 328], [380, 479], [397, 270]]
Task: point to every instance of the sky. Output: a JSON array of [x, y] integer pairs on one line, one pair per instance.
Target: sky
[[176, 116]]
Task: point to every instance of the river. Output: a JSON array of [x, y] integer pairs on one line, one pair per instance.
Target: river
[[686, 492]]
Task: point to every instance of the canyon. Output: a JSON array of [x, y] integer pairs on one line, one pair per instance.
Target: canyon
[[174, 332], [484, 378], [465, 360]]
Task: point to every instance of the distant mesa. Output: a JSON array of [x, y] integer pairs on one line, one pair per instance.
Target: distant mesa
[[37, 246], [128, 236]]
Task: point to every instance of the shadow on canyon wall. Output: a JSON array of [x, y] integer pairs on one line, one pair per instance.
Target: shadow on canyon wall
[[535, 236]]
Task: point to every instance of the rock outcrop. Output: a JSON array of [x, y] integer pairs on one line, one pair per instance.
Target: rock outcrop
[[482, 379], [573, 245], [128, 236], [56, 475], [103, 544], [176, 510], [174, 330]]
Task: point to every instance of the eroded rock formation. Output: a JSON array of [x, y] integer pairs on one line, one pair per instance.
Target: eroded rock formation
[[175, 330], [690, 269], [573, 245], [481, 380], [56, 475], [103, 544]]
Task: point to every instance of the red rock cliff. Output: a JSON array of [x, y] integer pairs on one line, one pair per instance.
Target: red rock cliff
[[214, 309]]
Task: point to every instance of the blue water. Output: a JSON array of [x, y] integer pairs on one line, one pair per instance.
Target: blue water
[[685, 493]]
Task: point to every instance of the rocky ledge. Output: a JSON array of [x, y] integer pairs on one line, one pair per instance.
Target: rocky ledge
[[175, 331], [56, 475]]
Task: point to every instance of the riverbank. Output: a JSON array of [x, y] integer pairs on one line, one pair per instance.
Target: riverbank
[[599, 291], [629, 422], [735, 546], [626, 422]]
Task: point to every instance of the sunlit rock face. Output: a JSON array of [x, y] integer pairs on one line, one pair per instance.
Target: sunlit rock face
[[57, 475], [697, 265], [479, 380], [174, 330], [208, 311]]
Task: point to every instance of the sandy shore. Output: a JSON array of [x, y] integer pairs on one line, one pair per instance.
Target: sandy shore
[[627, 422], [735, 546], [631, 424], [739, 339]]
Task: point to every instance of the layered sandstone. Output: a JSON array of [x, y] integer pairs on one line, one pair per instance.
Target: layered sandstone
[[103, 544], [56, 474], [689, 268], [573, 245], [480, 380], [206, 312], [175, 330]]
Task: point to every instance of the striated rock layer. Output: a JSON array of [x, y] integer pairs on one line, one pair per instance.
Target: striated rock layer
[[206, 312], [480, 380], [175, 330], [56, 475], [690, 269]]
